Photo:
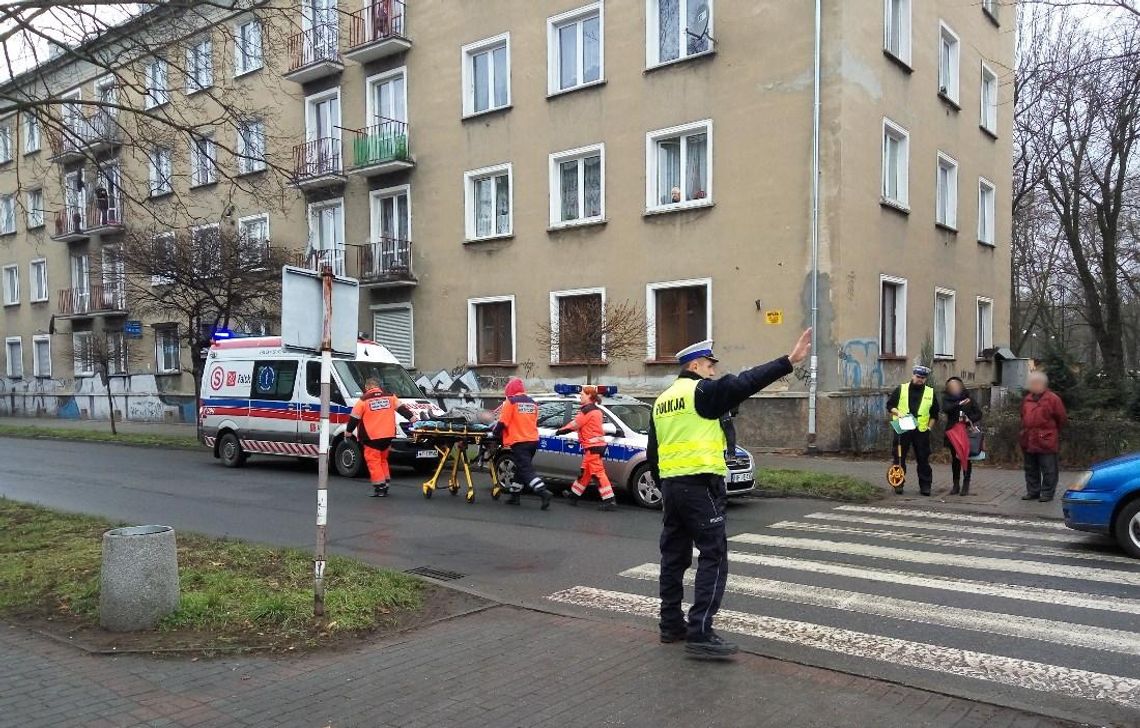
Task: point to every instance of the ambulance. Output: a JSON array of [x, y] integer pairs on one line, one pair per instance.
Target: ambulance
[[258, 398]]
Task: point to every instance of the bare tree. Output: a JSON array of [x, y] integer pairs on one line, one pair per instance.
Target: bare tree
[[591, 333], [107, 354]]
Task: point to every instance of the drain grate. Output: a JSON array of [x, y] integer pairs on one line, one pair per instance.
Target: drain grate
[[437, 574]]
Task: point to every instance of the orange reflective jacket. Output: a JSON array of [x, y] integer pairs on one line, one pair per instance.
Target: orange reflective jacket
[[519, 418], [377, 414]]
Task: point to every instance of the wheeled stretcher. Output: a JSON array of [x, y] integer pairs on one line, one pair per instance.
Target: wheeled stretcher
[[452, 440]]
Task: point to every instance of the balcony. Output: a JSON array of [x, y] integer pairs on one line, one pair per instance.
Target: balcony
[[377, 31], [314, 54], [102, 132], [317, 164], [102, 217], [93, 301], [381, 148], [66, 146], [70, 225], [386, 263], [87, 136]]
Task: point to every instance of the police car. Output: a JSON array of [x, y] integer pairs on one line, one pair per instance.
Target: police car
[[626, 426]]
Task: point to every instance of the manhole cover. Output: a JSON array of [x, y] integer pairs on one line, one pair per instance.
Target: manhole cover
[[437, 574]]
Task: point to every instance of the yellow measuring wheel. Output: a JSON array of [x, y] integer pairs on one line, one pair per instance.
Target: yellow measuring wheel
[[896, 475]]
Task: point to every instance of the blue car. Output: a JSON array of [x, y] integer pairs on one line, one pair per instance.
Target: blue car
[[1106, 499]]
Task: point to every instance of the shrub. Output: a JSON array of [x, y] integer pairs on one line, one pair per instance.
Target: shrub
[[1090, 437]]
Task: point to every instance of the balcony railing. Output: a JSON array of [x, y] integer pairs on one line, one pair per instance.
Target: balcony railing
[[388, 260], [91, 301], [94, 133], [382, 144], [318, 49], [377, 31], [70, 223], [317, 161], [103, 215]]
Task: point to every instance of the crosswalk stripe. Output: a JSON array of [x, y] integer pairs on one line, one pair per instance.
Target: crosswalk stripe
[[960, 517], [1045, 630], [934, 558], [1073, 537], [925, 538], [1060, 597], [1072, 682]]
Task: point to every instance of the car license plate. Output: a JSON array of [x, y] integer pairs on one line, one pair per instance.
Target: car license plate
[[740, 477], [427, 454]]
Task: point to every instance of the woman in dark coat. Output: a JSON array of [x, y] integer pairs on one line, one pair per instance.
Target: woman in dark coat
[[960, 409]]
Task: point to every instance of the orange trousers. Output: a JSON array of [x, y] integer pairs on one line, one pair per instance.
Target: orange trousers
[[377, 461], [593, 468]]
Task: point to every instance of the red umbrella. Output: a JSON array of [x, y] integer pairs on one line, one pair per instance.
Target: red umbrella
[[960, 441]]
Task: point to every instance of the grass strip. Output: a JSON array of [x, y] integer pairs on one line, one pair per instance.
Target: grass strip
[[809, 484], [84, 435]]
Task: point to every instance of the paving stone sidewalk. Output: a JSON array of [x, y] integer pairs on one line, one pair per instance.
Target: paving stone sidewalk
[[499, 668]]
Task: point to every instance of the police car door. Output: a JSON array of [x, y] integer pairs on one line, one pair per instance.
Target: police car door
[[274, 412], [557, 456]]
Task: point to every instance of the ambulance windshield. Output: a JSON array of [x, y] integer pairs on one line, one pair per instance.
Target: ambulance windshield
[[393, 378]]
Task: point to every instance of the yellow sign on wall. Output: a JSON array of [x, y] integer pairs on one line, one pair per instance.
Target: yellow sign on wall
[[775, 318]]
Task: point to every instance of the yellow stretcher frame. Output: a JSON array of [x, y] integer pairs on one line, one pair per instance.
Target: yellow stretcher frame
[[452, 445]]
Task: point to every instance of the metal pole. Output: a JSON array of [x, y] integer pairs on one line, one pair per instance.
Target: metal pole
[[323, 461], [813, 373]]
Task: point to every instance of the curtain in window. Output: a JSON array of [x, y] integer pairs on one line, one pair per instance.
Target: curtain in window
[[592, 173], [484, 206], [502, 205], [668, 169], [569, 184], [888, 316], [668, 29], [696, 165], [942, 326], [568, 55], [502, 78], [493, 332], [591, 50]]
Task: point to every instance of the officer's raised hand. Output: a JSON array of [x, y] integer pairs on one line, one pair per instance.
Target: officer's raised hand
[[802, 348]]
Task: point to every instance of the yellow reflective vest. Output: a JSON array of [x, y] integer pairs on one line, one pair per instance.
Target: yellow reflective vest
[[687, 444], [924, 406]]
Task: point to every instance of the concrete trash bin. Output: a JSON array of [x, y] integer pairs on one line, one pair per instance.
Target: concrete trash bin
[[138, 584]]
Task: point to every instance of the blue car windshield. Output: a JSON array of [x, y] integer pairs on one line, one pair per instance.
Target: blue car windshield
[[634, 416]]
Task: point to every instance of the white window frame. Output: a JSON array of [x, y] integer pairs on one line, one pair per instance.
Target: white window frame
[[412, 317], [254, 63], [157, 70], [469, 210], [200, 65], [37, 370], [311, 103], [467, 54], [170, 241], [473, 330], [900, 316], [33, 137], [34, 279], [653, 34], [158, 363], [555, 297], [949, 87], [312, 215], [82, 361], [118, 353], [987, 223], [8, 214], [203, 172], [11, 290], [899, 133], [682, 132], [990, 8], [7, 153], [160, 171], [904, 51], [9, 369], [985, 328], [375, 200], [651, 290], [370, 85], [947, 218], [951, 294], [201, 266], [244, 221], [570, 155], [35, 209], [554, 49], [988, 119], [250, 163]]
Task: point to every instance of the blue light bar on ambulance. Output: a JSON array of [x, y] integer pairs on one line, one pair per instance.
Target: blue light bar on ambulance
[[566, 389]]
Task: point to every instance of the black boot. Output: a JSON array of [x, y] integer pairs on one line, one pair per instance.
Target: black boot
[[546, 496], [514, 499], [954, 490], [965, 487], [380, 490], [607, 505], [573, 497]]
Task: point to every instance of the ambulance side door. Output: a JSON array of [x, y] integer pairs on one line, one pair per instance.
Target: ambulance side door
[[310, 400], [274, 408]]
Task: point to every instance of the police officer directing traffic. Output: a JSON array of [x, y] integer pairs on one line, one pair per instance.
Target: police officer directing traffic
[[686, 453]]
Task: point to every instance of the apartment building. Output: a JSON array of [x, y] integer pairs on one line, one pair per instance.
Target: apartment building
[[484, 168]]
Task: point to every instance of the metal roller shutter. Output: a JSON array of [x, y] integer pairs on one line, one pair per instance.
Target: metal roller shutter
[[392, 327]]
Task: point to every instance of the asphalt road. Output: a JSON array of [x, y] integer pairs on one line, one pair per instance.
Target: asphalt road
[[1014, 613]]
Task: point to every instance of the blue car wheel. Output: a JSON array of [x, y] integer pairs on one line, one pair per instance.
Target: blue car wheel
[[1127, 527]]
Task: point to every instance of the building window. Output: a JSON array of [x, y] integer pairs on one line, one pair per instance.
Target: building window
[[489, 202], [987, 209], [679, 166], [990, 7], [166, 349], [896, 164], [38, 280], [946, 191], [680, 314], [5, 143], [574, 49], [253, 235], [164, 259], [677, 29], [577, 186], [117, 352], [326, 235], [943, 323], [391, 216], [34, 202], [203, 161], [82, 354], [160, 172], [157, 83], [7, 214], [491, 330], [11, 274], [896, 25], [199, 66], [251, 146], [392, 326], [487, 75], [14, 350], [892, 317], [41, 355], [206, 248], [576, 324], [31, 132], [949, 49], [985, 325], [247, 47], [989, 100]]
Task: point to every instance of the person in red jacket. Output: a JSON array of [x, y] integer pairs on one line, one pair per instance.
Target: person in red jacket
[[592, 440], [373, 422], [1042, 417], [518, 429]]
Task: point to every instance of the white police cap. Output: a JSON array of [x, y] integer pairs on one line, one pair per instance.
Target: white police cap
[[699, 350]]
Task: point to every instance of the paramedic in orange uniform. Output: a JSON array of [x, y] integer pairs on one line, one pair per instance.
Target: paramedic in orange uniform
[[518, 429], [592, 440], [373, 422]]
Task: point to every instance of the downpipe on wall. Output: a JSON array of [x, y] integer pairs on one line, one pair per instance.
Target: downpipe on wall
[[813, 371]]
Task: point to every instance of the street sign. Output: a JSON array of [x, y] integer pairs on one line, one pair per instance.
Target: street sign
[[302, 311], [132, 329], [774, 318]]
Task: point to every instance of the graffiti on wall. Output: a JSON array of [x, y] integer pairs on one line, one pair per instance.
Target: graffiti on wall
[[86, 398], [859, 364]]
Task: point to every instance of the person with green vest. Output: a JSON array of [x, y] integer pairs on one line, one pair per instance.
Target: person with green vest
[[915, 398], [686, 455]]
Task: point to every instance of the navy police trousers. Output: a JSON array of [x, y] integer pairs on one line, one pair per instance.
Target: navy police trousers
[[693, 516]]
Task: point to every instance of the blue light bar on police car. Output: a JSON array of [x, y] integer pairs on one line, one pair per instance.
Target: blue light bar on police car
[[607, 390]]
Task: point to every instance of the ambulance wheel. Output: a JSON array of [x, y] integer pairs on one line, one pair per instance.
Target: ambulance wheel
[[428, 491], [230, 452], [348, 459], [644, 489], [470, 496]]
